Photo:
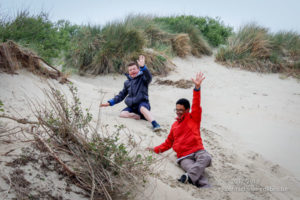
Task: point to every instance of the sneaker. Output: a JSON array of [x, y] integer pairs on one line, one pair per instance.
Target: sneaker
[[184, 178], [156, 128]]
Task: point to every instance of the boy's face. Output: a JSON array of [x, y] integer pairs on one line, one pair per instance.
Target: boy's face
[[133, 71]]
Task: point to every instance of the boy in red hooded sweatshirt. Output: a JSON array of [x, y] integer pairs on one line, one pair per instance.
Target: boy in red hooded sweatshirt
[[186, 141]]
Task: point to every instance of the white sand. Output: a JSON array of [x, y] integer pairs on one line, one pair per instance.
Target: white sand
[[250, 125]]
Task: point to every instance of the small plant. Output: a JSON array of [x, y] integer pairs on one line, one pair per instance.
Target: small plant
[[1, 106]]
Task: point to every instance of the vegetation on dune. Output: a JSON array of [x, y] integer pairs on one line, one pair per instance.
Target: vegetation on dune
[[107, 49], [95, 159], [12, 58], [213, 30], [38, 33], [254, 48]]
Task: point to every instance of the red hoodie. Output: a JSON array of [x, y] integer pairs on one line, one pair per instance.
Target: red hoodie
[[184, 135]]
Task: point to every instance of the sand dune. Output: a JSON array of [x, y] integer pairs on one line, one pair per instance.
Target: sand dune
[[250, 126]]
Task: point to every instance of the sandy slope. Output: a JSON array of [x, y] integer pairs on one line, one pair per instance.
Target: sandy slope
[[250, 126]]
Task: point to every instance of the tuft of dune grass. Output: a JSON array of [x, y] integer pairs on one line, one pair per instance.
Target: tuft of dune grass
[[254, 48], [199, 45], [181, 45]]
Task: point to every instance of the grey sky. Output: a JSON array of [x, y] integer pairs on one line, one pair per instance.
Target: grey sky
[[274, 14]]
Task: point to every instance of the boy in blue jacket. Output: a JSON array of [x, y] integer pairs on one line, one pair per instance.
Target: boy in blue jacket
[[135, 93]]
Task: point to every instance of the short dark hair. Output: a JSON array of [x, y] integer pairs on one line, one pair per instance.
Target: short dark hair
[[184, 102], [131, 64]]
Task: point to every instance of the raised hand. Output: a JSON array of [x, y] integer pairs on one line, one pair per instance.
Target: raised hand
[[198, 80], [141, 61]]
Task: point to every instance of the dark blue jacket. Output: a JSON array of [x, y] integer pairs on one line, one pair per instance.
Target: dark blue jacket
[[136, 89]]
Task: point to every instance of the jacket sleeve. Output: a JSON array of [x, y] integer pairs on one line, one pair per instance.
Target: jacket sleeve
[[147, 77], [120, 97], [166, 145], [196, 107]]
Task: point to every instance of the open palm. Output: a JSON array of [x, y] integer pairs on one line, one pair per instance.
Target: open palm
[[198, 80], [141, 61]]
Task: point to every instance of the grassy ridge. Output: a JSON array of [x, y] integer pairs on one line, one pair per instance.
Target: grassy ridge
[[100, 50], [254, 48], [117, 43], [38, 33]]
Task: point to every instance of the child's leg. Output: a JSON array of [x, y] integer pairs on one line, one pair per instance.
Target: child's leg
[[128, 113], [144, 109], [147, 114]]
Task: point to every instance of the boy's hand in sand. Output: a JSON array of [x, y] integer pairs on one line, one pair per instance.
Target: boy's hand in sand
[[104, 104], [198, 80], [150, 149], [141, 61]]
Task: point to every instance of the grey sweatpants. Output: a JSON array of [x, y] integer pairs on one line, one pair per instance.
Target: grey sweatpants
[[194, 165]]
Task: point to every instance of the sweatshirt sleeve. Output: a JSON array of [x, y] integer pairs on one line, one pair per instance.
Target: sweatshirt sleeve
[[147, 75], [196, 106], [166, 145], [120, 97]]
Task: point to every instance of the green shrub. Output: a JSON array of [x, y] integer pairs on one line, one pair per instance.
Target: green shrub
[[213, 30], [85, 45], [38, 33]]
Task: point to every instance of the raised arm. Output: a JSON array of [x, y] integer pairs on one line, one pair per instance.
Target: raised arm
[[196, 107], [147, 75]]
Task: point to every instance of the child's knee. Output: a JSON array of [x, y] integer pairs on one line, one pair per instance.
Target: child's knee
[[123, 114]]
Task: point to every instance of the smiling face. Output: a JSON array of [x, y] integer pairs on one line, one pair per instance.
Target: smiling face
[[133, 71], [180, 110]]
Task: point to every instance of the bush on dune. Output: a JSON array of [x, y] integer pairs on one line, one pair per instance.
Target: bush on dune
[[85, 45], [104, 163], [199, 45], [38, 33], [255, 49], [107, 50], [179, 25], [181, 45], [286, 44], [213, 30]]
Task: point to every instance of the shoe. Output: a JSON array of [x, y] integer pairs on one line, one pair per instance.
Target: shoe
[[156, 128], [184, 178]]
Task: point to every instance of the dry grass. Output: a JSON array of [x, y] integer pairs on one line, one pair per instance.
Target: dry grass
[[253, 48], [13, 58], [199, 45], [190, 43], [157, 36], [102, 164], [185, 84], [181, 45], [157, 63]]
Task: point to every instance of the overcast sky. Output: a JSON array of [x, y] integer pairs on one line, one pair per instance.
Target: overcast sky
[[273, 14]]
